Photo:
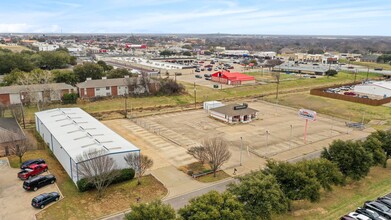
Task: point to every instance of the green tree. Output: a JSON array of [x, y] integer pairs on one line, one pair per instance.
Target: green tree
[[165, 53], [186, 53], [261, 195], [155, 210], [373, 145], [331, 73], [213, 206], [88, 70], [294, 182], [351, 157], [69, 98], [325, 171], [118, 73], [385, 139], [65, 76], [104, 65], [53, 59]]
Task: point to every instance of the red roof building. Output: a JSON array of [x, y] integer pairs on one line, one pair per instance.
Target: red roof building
[[232, 78]]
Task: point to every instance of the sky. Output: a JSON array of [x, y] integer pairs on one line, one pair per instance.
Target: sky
[[281, 17]]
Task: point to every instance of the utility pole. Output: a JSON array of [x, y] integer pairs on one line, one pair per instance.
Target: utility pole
[[267, 138], [367, 74], [126, 105], [241, 150], [195, 96]]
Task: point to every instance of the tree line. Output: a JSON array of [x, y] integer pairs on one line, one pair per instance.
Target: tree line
[[28, 60], [265, 193]]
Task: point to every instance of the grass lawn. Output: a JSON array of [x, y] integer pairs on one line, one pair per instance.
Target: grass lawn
[[14, 48], [78, 205], [220, 175], [139, 105], [343, 200], [334, 107]]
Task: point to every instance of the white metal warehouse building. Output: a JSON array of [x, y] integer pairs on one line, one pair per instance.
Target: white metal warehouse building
[[71, 131]]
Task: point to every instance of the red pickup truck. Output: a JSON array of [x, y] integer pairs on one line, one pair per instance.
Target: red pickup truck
[[32, 170]]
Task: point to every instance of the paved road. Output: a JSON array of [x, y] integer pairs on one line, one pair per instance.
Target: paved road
[[180, 201]]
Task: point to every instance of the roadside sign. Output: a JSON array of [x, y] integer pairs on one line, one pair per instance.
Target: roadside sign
[[307, 114]]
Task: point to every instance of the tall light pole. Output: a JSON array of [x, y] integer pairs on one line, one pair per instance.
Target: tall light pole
[[241, 150], [195, 96], [126, 105]]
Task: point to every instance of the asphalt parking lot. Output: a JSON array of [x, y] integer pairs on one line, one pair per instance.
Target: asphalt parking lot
[[15, 202]]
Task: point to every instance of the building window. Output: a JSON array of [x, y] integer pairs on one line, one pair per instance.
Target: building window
[[107, 88], [97, 89], [108, 94]]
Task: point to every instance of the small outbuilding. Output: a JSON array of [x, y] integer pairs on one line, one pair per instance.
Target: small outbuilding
[[212, 104], [234, 113], [232, 78], [69, 132]]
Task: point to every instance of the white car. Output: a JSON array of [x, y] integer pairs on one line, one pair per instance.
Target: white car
[[358, 216]]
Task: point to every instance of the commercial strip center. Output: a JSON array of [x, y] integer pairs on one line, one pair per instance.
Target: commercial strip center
[[69, 132]]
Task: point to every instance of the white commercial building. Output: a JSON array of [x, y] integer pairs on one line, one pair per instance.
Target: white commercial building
[[69, 132], [264, 54], [379, 88], [212, 104]]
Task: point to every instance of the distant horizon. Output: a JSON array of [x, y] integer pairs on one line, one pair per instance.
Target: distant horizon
[[235, 17], [191, 34]]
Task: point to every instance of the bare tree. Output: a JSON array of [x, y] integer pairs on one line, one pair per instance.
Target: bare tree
[[98, 169], [198, 153], [217, 153], [140, 163], [15, 142]]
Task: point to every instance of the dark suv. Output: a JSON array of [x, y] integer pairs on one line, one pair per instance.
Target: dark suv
[[42, 200], [38, 182], [27, 163]]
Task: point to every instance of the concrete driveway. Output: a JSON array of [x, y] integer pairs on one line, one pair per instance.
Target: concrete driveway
[[15, 202]]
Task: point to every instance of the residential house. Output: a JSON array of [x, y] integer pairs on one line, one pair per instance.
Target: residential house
[[34, 93]]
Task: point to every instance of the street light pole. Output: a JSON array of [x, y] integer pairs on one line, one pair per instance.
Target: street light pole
[[195, 96], [241, 150]]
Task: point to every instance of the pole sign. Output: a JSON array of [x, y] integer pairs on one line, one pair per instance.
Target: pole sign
[[307, 114]]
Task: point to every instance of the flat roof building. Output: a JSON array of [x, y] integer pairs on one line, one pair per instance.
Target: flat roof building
[[234, 113], [69, 132]]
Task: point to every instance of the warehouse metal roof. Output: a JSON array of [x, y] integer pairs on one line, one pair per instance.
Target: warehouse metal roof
[[77, 132]]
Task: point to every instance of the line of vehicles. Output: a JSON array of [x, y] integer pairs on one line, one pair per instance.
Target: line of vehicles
[[379, 209], [30, 173]]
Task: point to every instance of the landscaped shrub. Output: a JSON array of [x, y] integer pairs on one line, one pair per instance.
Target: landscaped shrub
[[125, 174], [69, 98]]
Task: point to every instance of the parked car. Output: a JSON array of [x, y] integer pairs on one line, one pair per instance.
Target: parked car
[[198, 70], [39, 181], [370, 213], [207, 75], [231, 67], [379, 69], [358, 216], [30, 162], [379, 208], [216, 69], [349, 93], [42, 200], [32, 170], [198, 76], [346, 217], [365, 97], [208, 78], [209, 69], [385, 200]]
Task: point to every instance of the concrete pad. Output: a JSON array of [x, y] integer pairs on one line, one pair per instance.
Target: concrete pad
[[176, 182]]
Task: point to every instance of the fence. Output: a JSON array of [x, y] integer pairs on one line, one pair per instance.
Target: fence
[[366, 101]]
